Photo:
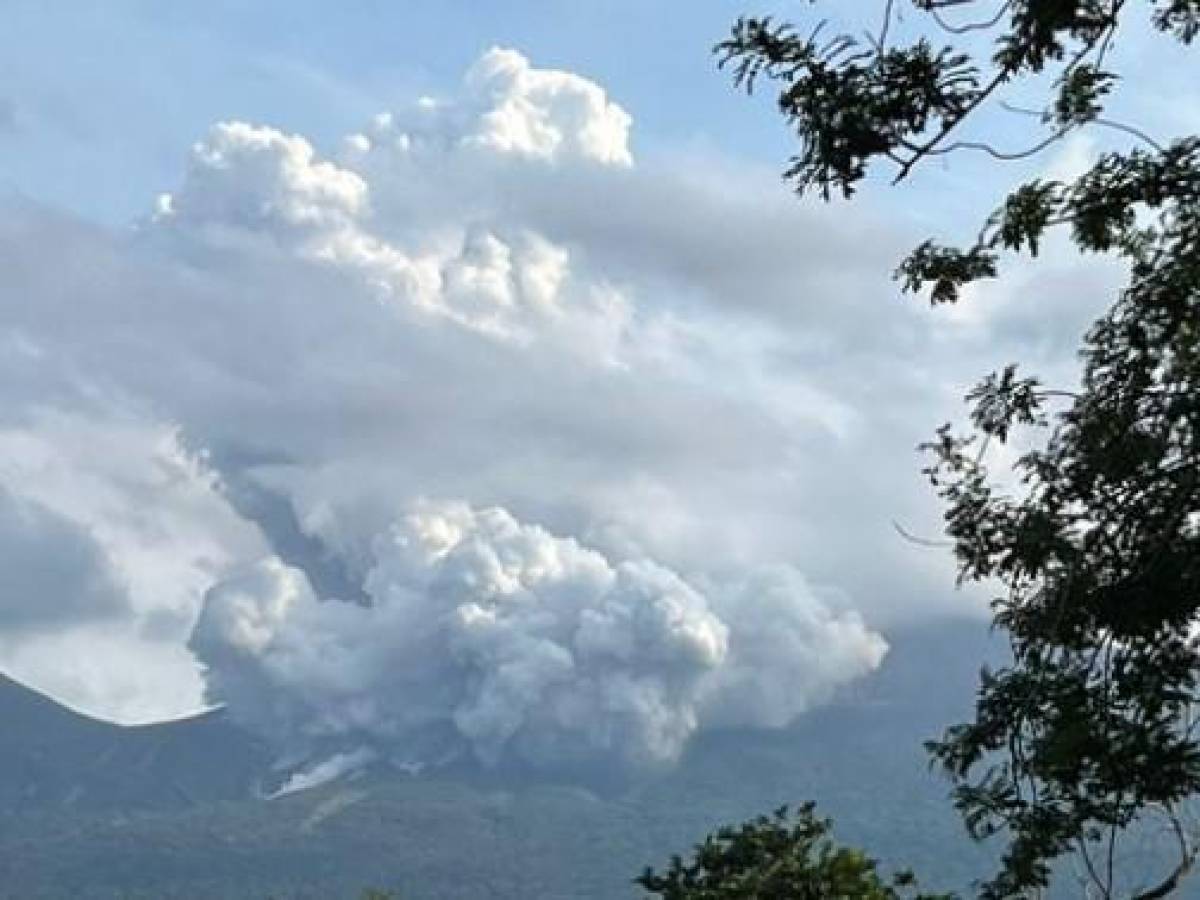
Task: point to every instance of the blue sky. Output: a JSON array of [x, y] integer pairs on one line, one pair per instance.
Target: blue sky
[[105, 99], [100, 102]]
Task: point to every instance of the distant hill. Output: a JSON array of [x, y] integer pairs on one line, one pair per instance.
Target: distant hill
[[52, 758], [91, 810]]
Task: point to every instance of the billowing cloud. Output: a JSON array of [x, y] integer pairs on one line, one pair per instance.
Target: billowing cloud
[[247, 184], [543, 114], [259, 179], [486, 635], [652, 394], [509, 109]]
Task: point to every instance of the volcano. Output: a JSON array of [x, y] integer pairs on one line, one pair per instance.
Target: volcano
[[187, 809]]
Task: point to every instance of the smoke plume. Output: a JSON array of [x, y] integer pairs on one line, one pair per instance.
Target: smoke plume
[[227, 415], [488, 636]]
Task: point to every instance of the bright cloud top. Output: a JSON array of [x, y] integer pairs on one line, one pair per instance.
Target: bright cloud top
[[249, 183], [508, 108], [544, 114]]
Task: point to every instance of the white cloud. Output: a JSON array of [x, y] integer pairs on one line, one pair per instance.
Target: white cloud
[[544, 114], [509, 109], [261, 179], [481, 298], [246, 184], [495, 636], [111, 533]]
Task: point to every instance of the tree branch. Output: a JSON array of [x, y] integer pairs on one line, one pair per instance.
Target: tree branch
[[967, 27], [1187, 859], [923, 150]]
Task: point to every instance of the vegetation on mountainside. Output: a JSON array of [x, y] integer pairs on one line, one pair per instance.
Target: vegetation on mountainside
[[466, 834], [783, 855]]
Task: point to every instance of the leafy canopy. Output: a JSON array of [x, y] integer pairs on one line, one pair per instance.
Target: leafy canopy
[[784, 857]]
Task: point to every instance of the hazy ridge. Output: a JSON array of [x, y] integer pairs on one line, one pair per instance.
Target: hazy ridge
[[96, 810]]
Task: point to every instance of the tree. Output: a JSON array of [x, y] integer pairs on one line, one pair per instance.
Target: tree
[[1090, 731], [782, 857]]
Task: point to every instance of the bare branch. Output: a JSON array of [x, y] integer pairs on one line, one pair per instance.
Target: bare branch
[[950, 124], [1129, 129], [888, 9], [1187, 858], [912, 538], [930, 147], [1093, 875], [967, 27], [1006, 155], [1103, 123]]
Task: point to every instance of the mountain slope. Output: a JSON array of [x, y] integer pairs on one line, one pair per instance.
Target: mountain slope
[[91, 810], [52, 758]]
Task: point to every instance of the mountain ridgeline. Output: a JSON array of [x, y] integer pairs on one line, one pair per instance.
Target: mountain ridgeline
[[182, 809], [54, 759]]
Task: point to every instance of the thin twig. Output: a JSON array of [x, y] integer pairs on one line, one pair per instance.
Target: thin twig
[[970, 26], [924, 542]]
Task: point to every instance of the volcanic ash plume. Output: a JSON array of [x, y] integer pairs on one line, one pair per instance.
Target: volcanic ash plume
[[494, 637]]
